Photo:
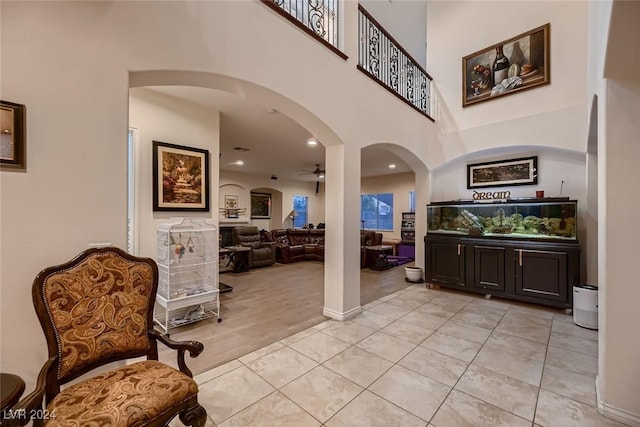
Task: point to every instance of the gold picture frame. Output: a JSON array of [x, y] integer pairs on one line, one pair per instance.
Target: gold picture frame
[[180, 178], [527, 65], [230, 201]]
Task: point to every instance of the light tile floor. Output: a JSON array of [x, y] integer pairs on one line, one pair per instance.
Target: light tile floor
[[418, 357]]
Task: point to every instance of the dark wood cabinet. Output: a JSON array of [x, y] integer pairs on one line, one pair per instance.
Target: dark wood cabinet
[[545, 273], [448, 263], [526, 270], [488, 267]]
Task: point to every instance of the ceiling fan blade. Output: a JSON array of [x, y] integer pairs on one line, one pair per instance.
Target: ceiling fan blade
[[317, 171]]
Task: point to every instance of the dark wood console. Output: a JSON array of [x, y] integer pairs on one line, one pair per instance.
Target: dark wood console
[[535, 271]]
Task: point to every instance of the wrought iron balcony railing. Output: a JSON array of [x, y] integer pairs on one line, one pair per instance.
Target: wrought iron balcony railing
[[385, 61], [319, 18], [380, 56]]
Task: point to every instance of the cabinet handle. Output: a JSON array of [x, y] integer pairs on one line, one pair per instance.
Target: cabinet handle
[[459, 249], [520, 257]]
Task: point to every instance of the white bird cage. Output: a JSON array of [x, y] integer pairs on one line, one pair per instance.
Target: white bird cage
[[188, 272]]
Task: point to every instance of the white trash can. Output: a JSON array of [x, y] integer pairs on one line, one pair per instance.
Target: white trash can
[[585, 306]]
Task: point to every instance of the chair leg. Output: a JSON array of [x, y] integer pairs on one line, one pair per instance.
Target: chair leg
[[195, 417]]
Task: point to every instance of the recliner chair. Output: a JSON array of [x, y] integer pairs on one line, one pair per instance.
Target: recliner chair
[[262, 253]]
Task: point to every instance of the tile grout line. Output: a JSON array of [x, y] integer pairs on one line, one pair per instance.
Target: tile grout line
[[396, 363], [453, 387], [544, 366]]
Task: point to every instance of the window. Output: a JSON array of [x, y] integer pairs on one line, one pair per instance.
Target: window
[[412, 201], [301, 206], [377, 211]]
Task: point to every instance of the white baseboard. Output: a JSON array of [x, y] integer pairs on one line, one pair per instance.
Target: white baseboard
[[341, 316], [618, 414]]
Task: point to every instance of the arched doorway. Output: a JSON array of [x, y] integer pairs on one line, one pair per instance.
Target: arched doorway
[[158, 115]]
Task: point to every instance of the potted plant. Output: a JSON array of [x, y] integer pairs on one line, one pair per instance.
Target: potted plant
[[413, 274]]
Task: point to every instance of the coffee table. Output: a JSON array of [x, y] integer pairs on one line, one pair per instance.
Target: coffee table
[[238, 258], [372, 253]]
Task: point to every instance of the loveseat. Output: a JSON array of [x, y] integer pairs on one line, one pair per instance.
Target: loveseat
[[301, 244]]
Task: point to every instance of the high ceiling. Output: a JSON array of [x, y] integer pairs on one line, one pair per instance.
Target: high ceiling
[[276, 144]]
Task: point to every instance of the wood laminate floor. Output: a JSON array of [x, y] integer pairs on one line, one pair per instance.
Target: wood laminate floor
[[268, 304]]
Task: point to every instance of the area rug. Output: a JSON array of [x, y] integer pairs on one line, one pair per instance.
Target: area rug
[[399, 260]]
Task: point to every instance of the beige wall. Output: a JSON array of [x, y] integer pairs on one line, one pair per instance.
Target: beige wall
[[283, 204], [614, 78], [619, 370]]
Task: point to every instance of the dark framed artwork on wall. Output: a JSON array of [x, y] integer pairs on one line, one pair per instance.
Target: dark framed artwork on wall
[[260, 205], [521, 171], [13, 143], [507, 67], [180, 178]]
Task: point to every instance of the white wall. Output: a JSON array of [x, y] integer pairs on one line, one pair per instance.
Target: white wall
[[619, 373], [406, 21], [163, 118], [551, 115], [449, 182]]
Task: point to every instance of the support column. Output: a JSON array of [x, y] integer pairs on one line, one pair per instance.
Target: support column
[[422, 198], [342, 235], [619, 293]]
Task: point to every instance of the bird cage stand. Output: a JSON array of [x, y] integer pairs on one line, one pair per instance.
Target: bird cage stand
[[187, 258]]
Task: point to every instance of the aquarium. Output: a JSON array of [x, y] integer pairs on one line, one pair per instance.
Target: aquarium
[[548, 218]]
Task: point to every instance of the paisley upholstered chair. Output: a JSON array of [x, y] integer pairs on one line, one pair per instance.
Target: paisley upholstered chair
[[97, 309]]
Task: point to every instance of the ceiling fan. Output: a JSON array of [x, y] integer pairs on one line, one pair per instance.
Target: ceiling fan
[[317, 172]]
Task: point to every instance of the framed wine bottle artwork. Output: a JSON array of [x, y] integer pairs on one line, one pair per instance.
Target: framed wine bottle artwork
[[507, 67]]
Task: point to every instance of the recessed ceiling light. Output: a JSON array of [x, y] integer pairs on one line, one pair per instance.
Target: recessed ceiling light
[[312, 143], [238, 163], [392, 166]]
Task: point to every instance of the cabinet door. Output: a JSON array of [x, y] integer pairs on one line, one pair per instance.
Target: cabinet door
[[489, 267], [541, 274], [446, 263]]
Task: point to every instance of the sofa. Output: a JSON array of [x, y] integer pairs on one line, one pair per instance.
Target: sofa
[[294, 245], [262, 253]]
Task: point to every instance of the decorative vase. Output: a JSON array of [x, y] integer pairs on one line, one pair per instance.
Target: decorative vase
[[414, 274]]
